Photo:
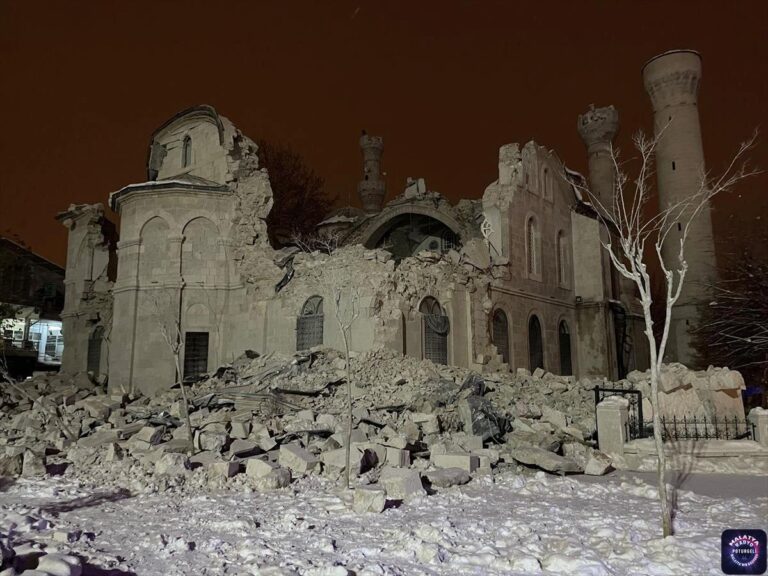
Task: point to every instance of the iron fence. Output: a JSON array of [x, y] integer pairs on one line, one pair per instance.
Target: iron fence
[[635, 428], [702, 428]]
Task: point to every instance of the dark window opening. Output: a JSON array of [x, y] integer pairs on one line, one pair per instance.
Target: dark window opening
[[94, 350], [186, 152], [309, 324], [565, 349], [500, 334], [195, 354], [673, 164], [679, 227], [535, 344], [436, 326]]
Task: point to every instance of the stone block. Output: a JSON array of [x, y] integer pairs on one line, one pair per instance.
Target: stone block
[[172, 464], [401, 483], [149, 434], [369, 499], [277, 478], [545, 460], [446, 477], [33, 464], [114, 453], [240, 430], [224, 469], [554, 417], [212, 441], [258, 468], [59, 565], [297, 459], [465, 461], [243, 448], [597, 463], [398, 458], [11, 466]]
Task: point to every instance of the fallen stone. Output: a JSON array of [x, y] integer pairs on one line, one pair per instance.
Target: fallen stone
[[33, 464], [277, 478], [11, 465], [258, 468], [598, 463], [224, 469], [398, 458], [297, 459], [554, 417], [369, 499], [243, 448], [479, 418], [172, 464], [446, 477], [240, 429], [59, 565], [401, 483], [545, 460], [463, 461], [149, 434]]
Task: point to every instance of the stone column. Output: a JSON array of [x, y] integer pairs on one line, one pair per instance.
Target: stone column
[[672, 82], [597, 128], [758, 417], [372, 188], [612, 419]]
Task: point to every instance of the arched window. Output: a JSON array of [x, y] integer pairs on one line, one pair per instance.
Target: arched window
[[532, 248], [436, 326], [562, 259], [564, 336], [309, 325], [186, 151], [500, 334], [94, 350], [535, 344]]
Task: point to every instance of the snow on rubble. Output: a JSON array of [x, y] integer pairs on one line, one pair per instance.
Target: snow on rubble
[[444, 464]]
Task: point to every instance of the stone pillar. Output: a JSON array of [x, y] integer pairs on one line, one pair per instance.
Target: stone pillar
[[372, 188], [612, 419], [758, 417], [597, 128], [672, 82]]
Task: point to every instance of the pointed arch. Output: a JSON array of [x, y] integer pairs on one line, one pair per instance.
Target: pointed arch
[[310, 324], [535, 343], [435, 331], [500, 333]]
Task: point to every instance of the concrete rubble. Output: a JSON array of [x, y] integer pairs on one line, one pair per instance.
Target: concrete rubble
[[263, 421]]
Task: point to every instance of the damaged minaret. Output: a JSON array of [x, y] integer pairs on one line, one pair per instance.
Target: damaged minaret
[[372, 187], [597, 129], [672, 82]]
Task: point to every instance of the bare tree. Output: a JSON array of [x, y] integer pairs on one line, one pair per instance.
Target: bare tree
[[300, 201], [338, 281], [168, 317], [635, 234]]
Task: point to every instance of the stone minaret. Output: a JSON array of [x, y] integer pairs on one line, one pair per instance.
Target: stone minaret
[[672, 81], [372, 188], [597, 129]]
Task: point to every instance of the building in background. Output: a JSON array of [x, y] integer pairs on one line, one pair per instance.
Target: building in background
[[31, 300]]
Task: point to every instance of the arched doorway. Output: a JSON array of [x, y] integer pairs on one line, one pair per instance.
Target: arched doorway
[[535, 344], [500, 334], [436, 326], [564, 337], [309, 325]]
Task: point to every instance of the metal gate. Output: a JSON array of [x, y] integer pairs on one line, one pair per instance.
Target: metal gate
[[436, 326], [635, 423], [309, 325], [195, 354]]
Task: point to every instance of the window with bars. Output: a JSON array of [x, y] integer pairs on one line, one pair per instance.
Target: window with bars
[[309, 324], [436, 326], [564, 335], [500, 334], [195, 354], [535, 344]]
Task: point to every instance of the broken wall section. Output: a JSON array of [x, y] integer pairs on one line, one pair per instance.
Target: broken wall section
[[90, 273]]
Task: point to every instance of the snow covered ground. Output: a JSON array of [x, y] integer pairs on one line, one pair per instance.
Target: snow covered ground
[[527, 523]]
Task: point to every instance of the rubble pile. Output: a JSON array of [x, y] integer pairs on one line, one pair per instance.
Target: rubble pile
[[264, 420]]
